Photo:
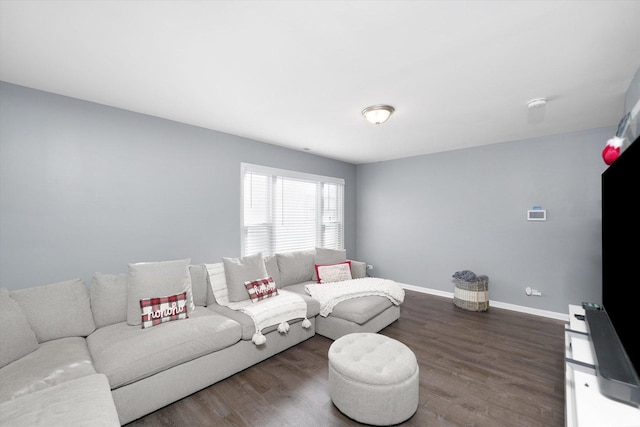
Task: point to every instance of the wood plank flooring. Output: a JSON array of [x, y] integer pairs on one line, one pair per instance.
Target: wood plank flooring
[[494, 368]]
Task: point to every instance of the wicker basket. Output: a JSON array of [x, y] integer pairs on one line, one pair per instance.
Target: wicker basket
[[472, 296]]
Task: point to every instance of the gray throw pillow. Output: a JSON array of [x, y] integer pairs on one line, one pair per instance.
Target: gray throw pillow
[[295, 266], [109, 298], [326, 256], [157, 279], [240, 270], [199, 284], [17, 339], [271, 263]]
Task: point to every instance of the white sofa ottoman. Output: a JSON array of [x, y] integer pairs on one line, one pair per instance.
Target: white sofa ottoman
[[373, 379]]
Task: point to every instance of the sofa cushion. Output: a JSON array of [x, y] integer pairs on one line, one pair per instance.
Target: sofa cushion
[[271, 264], [155, 311], [358, 310], [154, 279], [358, 269], [211, 299], [325, 256], [57, 310], [199, 284], [299, 288], [126, 354], [261, 289], [54, 362], [334, 272], [17, 339], [109, 298], [85, 401], [240, 270], [295, 266], [362, 309]]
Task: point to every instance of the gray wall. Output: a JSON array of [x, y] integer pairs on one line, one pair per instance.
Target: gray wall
[[423, 218], [86, 188]]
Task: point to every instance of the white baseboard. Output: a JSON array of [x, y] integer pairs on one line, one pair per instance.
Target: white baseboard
[[492, 303]]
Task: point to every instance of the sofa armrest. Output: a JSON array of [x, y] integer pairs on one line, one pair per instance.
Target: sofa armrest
[[358, 269]]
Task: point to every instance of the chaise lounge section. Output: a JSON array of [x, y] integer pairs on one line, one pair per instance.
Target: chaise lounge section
[[364, 314]]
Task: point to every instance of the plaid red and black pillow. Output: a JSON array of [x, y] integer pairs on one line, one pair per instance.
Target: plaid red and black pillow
[[163, 309], [261, 289]]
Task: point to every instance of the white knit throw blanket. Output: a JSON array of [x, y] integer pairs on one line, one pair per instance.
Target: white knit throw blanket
[[276, 310], [330, 294]]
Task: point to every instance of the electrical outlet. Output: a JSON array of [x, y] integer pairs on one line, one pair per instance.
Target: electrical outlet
[[369, 266], [532, 292]]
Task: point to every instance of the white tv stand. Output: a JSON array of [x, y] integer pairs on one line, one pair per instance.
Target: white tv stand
[[585, 406]]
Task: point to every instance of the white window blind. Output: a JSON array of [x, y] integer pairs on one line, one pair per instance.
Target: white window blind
[[285, 211]]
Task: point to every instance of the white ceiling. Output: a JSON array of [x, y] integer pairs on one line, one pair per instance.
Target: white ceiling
[[298, 73]]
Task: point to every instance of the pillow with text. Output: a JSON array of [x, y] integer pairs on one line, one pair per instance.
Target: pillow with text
[[334, 272], [163, 309], [261, 289]]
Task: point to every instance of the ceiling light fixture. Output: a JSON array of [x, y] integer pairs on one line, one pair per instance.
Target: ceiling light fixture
[[537, 103], [377, 114]]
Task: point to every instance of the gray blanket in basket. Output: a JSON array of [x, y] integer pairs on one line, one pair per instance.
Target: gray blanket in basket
[[468, 276]]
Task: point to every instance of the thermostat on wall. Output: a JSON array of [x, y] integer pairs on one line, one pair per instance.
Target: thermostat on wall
[[537, 215]]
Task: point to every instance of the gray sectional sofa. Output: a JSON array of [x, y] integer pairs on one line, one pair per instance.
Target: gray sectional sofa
[[72, 354]]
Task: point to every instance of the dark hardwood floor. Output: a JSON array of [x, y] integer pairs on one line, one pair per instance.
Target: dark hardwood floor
[[494, 368]]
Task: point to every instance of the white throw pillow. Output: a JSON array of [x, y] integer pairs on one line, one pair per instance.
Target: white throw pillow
[[157, 279], [325, 256], [334, 272]]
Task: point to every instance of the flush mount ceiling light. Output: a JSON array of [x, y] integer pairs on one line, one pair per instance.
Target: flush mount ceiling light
[[537, 103], [536, 110], [377, 114]]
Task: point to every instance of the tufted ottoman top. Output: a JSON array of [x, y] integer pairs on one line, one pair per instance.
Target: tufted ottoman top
[[372, 359]]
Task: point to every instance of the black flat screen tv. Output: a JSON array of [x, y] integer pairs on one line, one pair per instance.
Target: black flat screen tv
[[615, 331]]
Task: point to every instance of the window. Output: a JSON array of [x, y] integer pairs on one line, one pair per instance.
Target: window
[[285, 211]]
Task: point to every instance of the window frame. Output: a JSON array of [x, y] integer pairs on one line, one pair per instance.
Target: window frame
[[320, 180]]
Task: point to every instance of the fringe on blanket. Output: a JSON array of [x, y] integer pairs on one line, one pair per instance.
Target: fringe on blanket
[[283, 328]]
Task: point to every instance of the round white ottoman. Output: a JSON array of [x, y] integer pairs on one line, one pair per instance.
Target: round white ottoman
[[373, 379]]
